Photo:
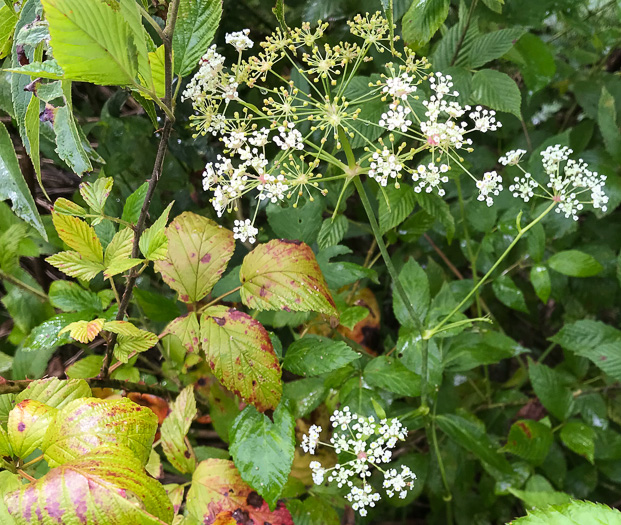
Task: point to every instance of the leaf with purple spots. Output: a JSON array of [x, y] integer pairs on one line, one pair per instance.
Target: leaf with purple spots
[[187, 329], [55, 392], [198, 253], [105, 487], [219, 495], [175, 429], [27, 424], [86, 424], [240, 353], [284, 275]]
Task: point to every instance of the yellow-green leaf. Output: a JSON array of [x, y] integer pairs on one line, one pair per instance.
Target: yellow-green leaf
[[96, 193], [55, 392], [241, 355], [118, 253], [64, 206], [130, 339], [27, 424], [5, 446], [187, 329], [198, 253], [175, 428], [153, 241], [284, 275], [84, 331], [77, 234], [74, 265], [88, 423]]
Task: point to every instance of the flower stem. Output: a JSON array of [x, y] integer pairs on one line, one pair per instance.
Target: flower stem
[[430, 333]]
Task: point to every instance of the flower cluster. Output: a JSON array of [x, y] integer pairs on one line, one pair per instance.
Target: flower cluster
[[365, 444], [571, 184], [276, 149]]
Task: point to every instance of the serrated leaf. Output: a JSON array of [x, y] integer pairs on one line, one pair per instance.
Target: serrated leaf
[[263, 450], [529, 440], [550, 389], [153, 241], [31, 125], [69, 141], [284, 275], [120, 247], [198, 253], [241, 355], [55, 392], [74, 265], [422, 21], [395, 206], [8, 483], [63, 206], [27, 424], [509, 294], [390, 374], [95, 194], [313, 511], [71, 297], [416, 285], [594, 340], [575, 263], [332, 231], [47, 334], [107, 487], [77, 234], [187, 329], [606, 118], [197, 22], [218, 491], [313, 355], [574, 513], [175, 429], [130, 339], [489, 46], [85, 368], [5, 448], [84, 331], [133, 204], [579, 438], [83, 425], [540, 279], [496, 90], [279, 13], [8, 19], [437, 207], [14, 187]]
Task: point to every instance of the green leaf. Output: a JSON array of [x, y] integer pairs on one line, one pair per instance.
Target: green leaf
[[63, 206], [71, 297], [153, 241], [395, 206], [284, 275], [197, 22], [5, 446], [606, 118], [14, 187], [530, 440], [575, 264], [594, 340], [470, 350], [157, 306], [437, 207], [85, 424], [313, 511], [130, 339], [390, 374], [198, 253], [494, 5], [332, 231], [540, 493], [77, 234], [536, 61], [422, 21], [416, 285], [47, 334], [509, 294], [301, 224], [241, 356], [93, 42], [175, 429], [490, 46], [95, 194], [72, 264], [8, 19], [85, 368], [133, 204], [314, 355], [550, 389], [107, 486], [32, 124], [8, 483], [263, 450], [474, 438], [55, 392], [540, 279], [279, 13], [496, 90], [187, 329], [68, 140], [118, 257], [305, 395], [27, 424], [579, 438], [574, 513]]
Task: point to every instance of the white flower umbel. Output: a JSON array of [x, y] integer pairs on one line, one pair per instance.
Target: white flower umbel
[[571, 183], [384, 166], [289, 137], [239, 40], [430, 177], [396, 119], [489, 186], [245, 231], [365, 444]]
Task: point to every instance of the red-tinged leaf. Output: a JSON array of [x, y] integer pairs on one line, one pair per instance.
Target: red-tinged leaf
[[530, 440], [187, 329], [105, 487], [74, 265], [27, 424], [284, 275], [174, 430], [55, 392], [241, 356], [218, 494], [198, 253], [157, 404], [78, 235], [84, 331], [63, 206], [95, 194], [85, 424]]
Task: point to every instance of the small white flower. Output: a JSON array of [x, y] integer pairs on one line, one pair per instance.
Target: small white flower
[[245, 231], [400, 87], [484, 120], [396, 119], [289, 137], [430, 177], [309, 442], [384, 166], [523, 187], [512, 158], [489, 186], [239, 40]]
